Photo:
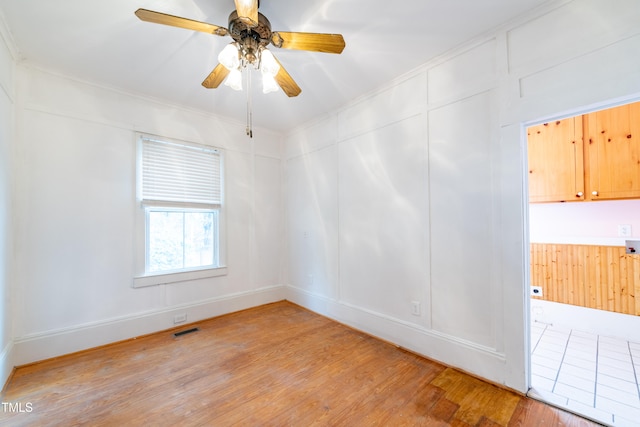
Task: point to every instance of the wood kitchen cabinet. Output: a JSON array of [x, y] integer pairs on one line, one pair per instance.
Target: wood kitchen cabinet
[[612, 153], [591, 157], [556, 172]]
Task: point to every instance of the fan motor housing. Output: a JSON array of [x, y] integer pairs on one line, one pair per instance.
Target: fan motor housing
[[240, 29]]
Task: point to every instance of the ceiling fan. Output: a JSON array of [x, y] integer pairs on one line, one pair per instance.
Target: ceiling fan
[[251, 32]]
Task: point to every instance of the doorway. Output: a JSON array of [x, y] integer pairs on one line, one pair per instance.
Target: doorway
[[584, 323]]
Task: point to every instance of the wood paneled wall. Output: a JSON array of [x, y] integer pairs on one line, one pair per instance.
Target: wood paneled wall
[[600, 277]]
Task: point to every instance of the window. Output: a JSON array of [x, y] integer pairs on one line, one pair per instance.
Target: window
[[180, 194], [180, 238]]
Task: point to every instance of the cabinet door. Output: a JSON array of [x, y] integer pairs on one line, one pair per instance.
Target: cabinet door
[[556, 171], [612, 156]]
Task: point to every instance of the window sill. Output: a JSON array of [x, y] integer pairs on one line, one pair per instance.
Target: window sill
[[183, 276]]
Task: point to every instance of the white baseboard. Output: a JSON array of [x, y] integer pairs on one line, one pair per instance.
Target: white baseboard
[[6, 364], [598, 322], [51, 344], [452, 351]]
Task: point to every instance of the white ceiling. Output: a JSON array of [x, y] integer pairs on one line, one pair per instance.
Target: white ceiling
[[102, 41]]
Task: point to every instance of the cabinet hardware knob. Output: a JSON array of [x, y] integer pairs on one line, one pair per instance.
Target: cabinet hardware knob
[[595, 193], [579, 194]]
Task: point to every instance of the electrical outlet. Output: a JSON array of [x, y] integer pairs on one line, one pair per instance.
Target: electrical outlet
[[415, 308], [179, 318], [624, 230]]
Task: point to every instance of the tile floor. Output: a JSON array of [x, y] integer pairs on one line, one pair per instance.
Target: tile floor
[[593, 375]]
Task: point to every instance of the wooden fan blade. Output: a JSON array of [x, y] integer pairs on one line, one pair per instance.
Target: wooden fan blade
[[248, 11], [286, 82], [176, 21], [315, 42], [216, 77]]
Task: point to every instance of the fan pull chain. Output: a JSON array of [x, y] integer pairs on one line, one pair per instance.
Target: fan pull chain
[[249, 105]]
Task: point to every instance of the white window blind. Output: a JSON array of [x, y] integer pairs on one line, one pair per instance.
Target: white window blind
[[177, 172]]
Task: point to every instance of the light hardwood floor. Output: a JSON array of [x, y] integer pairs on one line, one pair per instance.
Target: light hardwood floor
[[274, 365]]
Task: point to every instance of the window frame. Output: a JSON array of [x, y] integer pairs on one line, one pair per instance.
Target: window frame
[[142, 277]]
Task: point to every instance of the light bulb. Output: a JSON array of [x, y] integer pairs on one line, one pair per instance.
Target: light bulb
[[269, 84], [234, 80], [229, 57], [268, 63]]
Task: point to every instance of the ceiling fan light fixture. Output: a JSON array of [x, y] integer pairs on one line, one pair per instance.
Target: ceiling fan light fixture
[[269, 68], [230, 57], [234, 80], [268, 63], [269, 84]]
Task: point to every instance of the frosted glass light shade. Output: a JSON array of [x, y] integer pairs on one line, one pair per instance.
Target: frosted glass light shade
[[268, 63], [229, 57], [234, 80], [269, 84]]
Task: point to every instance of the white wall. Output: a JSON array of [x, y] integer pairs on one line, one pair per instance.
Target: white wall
[[75, 216], [584, 223], [417, 192], [6, 239]]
